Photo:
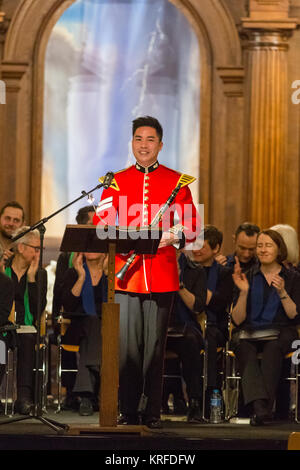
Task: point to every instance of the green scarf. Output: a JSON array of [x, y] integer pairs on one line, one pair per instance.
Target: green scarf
[[71, 259], [28, 320]]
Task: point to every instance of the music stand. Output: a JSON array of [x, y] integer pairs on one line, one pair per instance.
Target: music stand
[[40, 226], [111, 240]]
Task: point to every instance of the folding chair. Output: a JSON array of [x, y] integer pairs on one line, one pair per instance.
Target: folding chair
[[232, 379], [64, 323], [8, 359], [44, 361], [202, 320]]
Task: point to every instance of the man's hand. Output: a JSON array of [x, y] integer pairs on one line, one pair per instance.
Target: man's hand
[[221, 259], [239, 277], [167, 239]]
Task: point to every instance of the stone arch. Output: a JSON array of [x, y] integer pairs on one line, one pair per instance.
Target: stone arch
[[23, 70]]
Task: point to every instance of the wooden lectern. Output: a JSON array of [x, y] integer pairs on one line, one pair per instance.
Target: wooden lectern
[[111, 240]]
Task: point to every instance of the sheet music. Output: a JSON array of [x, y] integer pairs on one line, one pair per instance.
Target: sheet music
[[26, 329]]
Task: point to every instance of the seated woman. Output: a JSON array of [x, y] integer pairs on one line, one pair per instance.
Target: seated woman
[[23, 271], [266, 311], [85, 289]]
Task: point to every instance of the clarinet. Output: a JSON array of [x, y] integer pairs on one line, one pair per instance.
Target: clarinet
[[121, 274]]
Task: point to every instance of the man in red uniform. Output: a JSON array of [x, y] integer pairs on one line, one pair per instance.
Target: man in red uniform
[[147, 291]]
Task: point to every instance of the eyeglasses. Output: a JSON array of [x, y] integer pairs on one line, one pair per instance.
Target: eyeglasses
[[36, 248]]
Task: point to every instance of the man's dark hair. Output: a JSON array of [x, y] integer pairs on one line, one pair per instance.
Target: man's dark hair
[[248, 228], [213, 236], [147, 121], [14, 204], [277, 238], [83, 214]]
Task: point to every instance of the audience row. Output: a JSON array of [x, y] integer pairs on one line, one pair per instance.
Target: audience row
[[250, 298]]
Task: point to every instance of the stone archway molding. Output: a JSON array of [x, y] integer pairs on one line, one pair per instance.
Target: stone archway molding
[[25, 44]]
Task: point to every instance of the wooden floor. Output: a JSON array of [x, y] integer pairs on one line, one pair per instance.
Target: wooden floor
[[176, 435]]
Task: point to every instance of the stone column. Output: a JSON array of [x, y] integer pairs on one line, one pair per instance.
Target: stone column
[[14, 166], [265, 37]]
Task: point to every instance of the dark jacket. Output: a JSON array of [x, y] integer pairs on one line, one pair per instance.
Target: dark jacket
[[219, 306], [194, 278], [73, 304], [292, 287], [19, 292]]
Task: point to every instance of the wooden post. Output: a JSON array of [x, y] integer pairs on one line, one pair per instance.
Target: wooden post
[[109, 381]]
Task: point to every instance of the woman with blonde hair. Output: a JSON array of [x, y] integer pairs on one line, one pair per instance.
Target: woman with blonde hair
[[290, 237]]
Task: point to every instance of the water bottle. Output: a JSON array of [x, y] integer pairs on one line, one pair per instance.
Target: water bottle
[[216, 407]]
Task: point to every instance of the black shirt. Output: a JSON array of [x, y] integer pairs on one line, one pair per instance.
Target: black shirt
[[194, 278], [245, 267], [72, 303], [19, 289], [218, 308]]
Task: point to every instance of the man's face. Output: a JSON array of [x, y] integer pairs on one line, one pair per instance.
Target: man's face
[[90, 218], [10, 220], [146, 145], [206, 254], [245, 247]]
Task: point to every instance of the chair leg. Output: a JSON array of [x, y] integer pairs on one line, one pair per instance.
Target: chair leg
[[10, 378], [296, 391], [44, 376], [230, 375], [58, 376], [204, 382]]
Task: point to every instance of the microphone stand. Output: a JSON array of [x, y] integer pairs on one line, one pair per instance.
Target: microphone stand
[[60, 428]]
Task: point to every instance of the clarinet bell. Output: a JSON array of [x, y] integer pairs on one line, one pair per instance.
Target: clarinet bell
[[121, 274]]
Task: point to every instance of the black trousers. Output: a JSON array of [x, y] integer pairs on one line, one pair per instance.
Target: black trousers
[[25, 365], [260, 377], [215, 338], [188, 348], [143, 332], [87, 378], [73, 335]]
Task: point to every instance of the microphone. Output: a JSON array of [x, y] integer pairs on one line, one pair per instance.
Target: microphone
[[108, 179]]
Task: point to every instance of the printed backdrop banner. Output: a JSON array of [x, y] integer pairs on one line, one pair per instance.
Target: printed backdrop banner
[[108, 62]]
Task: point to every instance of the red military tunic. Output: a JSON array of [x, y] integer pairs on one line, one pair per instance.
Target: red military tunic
[[136, 197]]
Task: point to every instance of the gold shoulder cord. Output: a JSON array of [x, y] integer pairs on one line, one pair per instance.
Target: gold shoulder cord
[[185, 180]]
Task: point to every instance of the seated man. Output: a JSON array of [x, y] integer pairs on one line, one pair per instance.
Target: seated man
[[6, 303], [85, 289], [23, 271], [219, 297], [11, 219], [189, 301], [244, 247]]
